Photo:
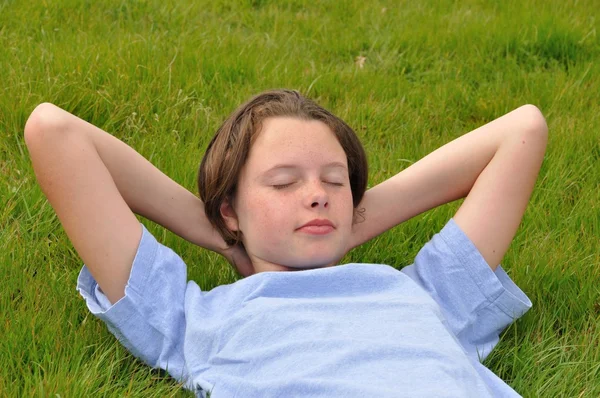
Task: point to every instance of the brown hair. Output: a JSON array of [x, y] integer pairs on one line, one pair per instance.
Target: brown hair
[[228, 151]]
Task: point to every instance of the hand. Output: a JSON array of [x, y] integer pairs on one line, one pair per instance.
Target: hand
[[238, 257]]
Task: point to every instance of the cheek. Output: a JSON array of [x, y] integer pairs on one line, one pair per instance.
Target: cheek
[[346, 209], [267, 214], [345, 199]]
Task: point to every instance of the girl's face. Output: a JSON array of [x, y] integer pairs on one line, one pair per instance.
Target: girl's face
[[296, 172]]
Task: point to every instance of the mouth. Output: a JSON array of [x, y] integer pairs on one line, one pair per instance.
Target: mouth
[[318, 226], [316, 229]]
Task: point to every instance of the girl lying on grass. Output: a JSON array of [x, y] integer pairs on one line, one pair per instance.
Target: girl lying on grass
[[282, 188]]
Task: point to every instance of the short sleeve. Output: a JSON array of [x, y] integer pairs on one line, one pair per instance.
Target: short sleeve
[[478, 303], [149, 320]]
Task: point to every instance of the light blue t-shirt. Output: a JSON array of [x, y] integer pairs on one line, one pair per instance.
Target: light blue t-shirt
[[353, 330]]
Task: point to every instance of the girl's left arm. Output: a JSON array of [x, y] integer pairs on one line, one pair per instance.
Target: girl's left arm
[[496, 165]]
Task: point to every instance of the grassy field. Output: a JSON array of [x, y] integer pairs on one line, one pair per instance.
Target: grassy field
[[407, 76]]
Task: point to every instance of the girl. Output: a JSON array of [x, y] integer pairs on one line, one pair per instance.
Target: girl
[[282, 187]]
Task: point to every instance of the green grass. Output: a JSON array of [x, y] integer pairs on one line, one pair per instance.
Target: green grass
[[162, 77]]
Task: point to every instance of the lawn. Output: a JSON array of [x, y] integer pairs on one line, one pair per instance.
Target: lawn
[[407, 76]]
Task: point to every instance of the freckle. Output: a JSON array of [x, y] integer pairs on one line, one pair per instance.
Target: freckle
[[523, 142]]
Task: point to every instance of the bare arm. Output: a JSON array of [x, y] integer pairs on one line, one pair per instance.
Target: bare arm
[[498, 194], [152, 194], [94, 181]]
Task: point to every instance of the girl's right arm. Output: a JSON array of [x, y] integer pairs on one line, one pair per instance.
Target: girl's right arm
[[95, 183]]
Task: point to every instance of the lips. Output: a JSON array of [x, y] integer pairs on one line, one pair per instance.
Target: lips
[[317, 227], [318, 222]]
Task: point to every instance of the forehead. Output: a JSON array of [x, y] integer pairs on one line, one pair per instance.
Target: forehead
[[291, 140]]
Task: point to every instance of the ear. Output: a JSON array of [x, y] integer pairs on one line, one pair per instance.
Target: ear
[[229, 215]]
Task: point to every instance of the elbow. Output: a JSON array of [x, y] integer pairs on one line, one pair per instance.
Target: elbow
[[534, 123], [46, 118]]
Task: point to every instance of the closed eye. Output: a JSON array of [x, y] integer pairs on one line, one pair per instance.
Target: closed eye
[[283, 186]]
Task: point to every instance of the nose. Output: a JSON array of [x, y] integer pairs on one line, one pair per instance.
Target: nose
[[317, 196]]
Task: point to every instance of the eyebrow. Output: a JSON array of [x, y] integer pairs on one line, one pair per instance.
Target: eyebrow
[[293, 166]]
